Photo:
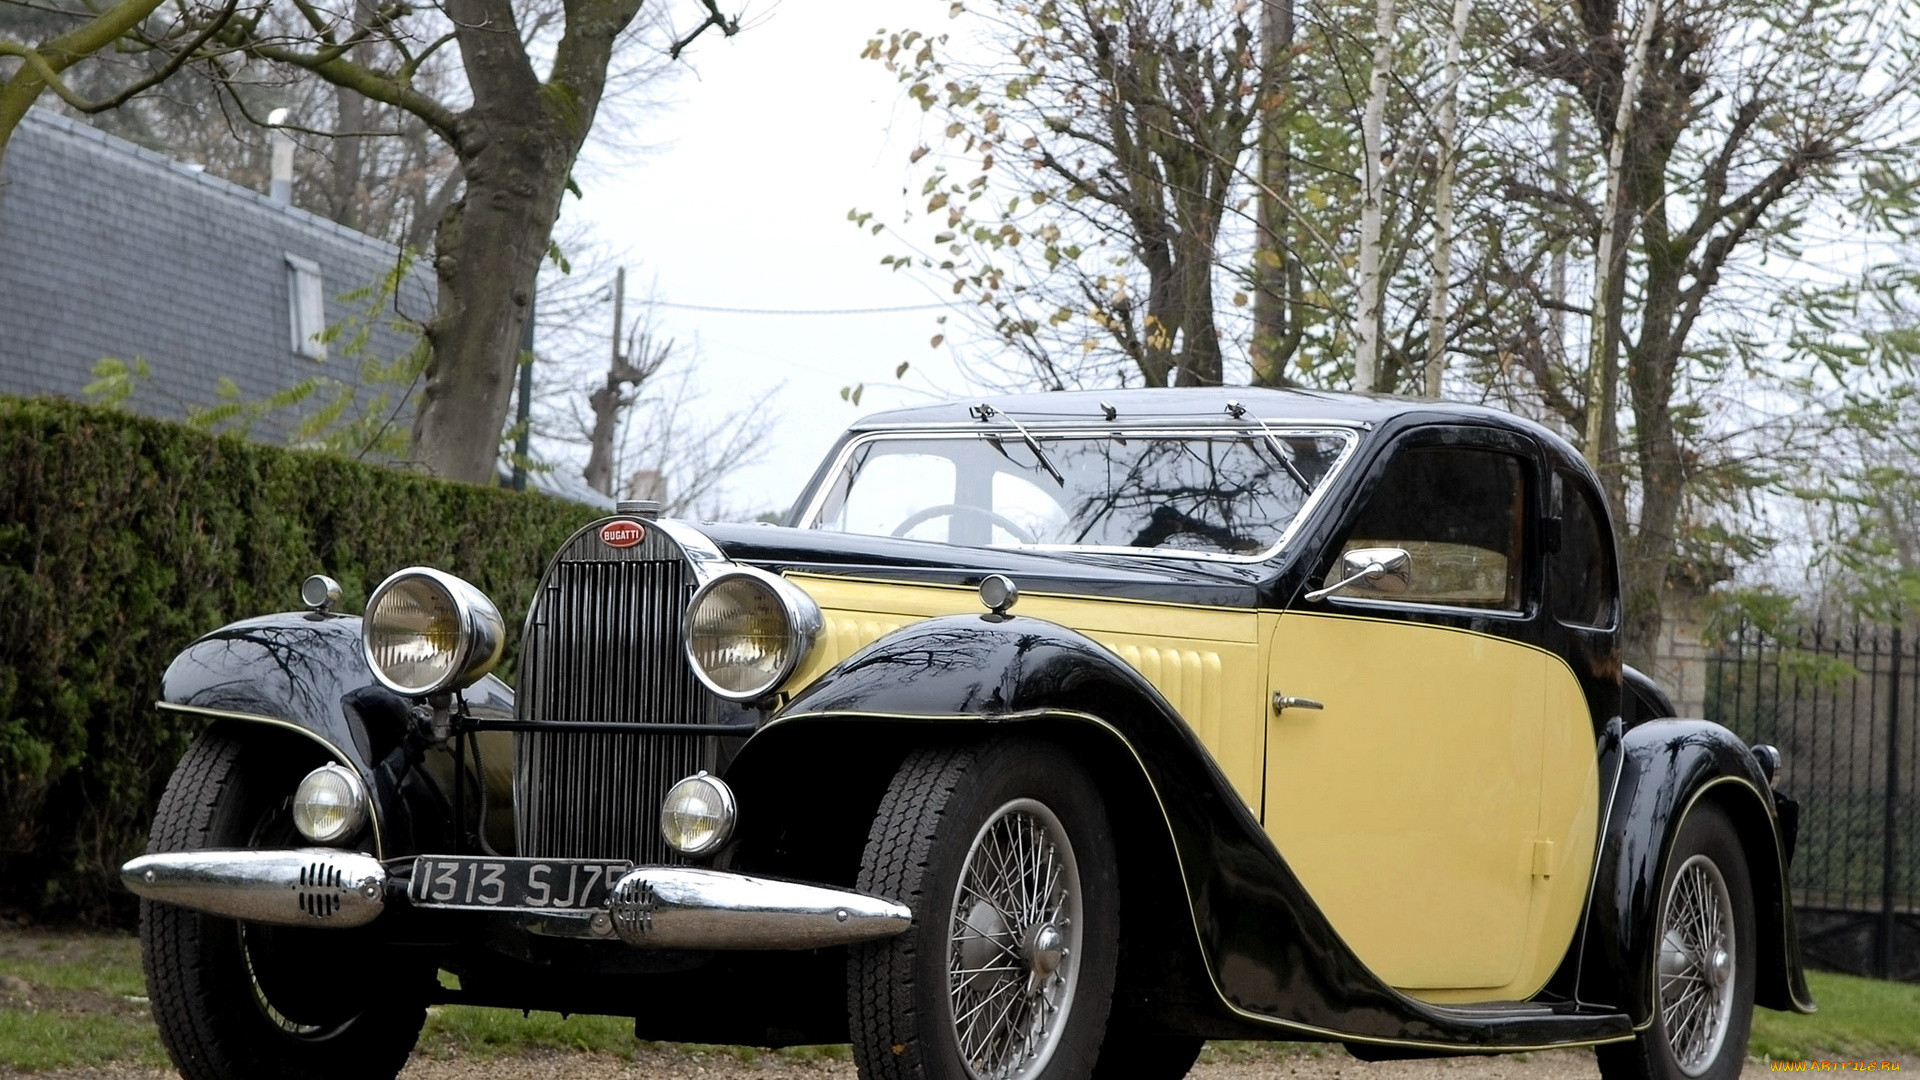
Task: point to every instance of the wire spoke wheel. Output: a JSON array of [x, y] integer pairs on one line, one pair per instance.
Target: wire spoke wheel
[[1696, 967], [1004, 852], [1014, 943], [1700, 961]]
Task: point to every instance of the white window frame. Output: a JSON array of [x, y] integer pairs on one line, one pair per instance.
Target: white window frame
[[306, 308]]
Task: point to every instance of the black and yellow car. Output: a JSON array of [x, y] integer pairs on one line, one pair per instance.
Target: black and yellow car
[[1051, 736]]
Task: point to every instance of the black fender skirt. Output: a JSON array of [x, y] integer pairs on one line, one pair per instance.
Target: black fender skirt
[[1665, 768], [1273, 958], [304, 673]]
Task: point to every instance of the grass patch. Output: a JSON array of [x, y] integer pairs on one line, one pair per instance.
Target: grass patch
[[1858, 1019], [73, 999], [70, 1000], [1235, 1050], [470, 1031]]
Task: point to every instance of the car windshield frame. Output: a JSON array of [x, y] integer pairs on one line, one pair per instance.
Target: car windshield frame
[[1348, 433]]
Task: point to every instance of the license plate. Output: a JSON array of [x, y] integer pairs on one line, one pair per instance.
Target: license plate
[[490, 884]]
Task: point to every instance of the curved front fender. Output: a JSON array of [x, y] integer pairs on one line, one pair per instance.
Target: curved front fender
[[1666, 768], [305, 673]]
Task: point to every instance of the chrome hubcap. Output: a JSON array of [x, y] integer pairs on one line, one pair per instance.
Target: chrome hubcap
[[1696, 965], [1012, 959]]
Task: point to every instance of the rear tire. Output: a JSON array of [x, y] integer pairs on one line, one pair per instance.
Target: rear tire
[[239, 1001], [1703, 963], [1005, 856]]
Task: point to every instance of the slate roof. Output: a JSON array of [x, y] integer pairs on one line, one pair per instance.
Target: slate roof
[[108, 249]]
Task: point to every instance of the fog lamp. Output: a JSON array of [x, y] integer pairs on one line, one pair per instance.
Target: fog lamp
[[330, 805], [697, 815]]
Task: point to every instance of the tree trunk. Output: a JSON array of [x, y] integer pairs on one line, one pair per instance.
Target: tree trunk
[[487, 253], [1275, 335], [517, 144], [608, 401], [344, 199], [1446, 133], [1366, 363], [1610, 261], [1652, 365]]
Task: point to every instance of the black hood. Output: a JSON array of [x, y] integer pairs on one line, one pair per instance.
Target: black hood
[[1141, 577]]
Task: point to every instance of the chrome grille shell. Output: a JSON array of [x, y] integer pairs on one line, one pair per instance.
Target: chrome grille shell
[[602, 644]]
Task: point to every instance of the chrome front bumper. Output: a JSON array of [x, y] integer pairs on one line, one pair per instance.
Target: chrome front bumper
[[300, 887], [651, 907]]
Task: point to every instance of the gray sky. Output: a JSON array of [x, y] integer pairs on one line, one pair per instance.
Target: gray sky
[[774, 136]]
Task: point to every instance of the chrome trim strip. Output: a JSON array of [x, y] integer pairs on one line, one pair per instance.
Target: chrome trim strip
[[373, 805], [681, 907], [702, 553], [1349, 432], [1187, 895], [315, 887]]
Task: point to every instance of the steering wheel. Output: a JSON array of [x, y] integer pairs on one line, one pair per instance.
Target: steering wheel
[[928, 513]]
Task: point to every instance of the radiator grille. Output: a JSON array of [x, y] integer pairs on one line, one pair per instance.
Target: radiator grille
[[603, 644]]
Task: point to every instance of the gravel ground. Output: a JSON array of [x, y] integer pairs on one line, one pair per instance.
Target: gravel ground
[[675, 1064]]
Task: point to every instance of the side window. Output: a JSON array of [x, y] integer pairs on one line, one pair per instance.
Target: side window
[[1460, 514], [1580, 582]]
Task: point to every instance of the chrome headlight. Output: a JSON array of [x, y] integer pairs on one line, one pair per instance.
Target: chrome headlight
[[697, 815], [330, 805], [427, 632], [746, 630]]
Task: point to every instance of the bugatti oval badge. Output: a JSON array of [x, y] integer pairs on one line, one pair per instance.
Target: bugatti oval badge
[[622, 533]]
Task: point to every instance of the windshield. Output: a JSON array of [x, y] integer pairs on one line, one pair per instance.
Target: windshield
[[1211, 492]]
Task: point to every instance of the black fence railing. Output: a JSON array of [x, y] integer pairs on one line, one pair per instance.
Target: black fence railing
[[1844, 709]]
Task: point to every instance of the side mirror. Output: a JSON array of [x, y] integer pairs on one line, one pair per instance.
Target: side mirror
[[1385, 570]]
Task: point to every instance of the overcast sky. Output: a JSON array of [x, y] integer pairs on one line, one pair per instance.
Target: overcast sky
[[770, 139]]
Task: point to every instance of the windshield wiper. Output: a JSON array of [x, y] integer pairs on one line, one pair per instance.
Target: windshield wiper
[[985, 412], [1280, 450]]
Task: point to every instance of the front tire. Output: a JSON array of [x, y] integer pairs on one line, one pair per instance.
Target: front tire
[[1703, 962], [1004, 853], [239, 1001]]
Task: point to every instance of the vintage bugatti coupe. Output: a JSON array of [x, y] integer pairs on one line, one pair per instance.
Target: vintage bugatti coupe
[[1051, 736]]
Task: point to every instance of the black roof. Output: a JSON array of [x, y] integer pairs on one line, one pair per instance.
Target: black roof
[[1206, 404]]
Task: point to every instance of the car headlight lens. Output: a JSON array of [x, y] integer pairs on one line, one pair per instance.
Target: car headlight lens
[[746, 630], [330, 805], [427, 632], [698, 814]]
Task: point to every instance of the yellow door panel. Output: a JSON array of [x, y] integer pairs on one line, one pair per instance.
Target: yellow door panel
[[1408, 805], [1563, 853], [1204, 661]]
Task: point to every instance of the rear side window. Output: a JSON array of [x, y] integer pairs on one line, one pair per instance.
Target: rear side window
[[1459, 514], [1580, 578]]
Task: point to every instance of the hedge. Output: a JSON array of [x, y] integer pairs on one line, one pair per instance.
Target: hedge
[[121, 540]]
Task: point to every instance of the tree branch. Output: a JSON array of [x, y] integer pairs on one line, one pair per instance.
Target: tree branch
[[379, 86], [714, 20]]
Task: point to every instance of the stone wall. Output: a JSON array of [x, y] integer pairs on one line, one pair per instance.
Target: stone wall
[[1680, 664]]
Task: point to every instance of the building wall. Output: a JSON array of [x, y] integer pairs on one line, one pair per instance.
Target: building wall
[[111, 250]]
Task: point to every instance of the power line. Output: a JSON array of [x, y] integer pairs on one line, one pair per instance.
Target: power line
[[797, 311]]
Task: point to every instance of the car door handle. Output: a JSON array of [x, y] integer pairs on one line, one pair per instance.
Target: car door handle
[[1281, 703]]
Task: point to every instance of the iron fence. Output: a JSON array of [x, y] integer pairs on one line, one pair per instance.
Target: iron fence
[[1841, 706]]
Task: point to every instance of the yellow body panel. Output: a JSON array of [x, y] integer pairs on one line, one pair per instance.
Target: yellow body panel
[[1205, 661], [1416, 806], [1419, 841]]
